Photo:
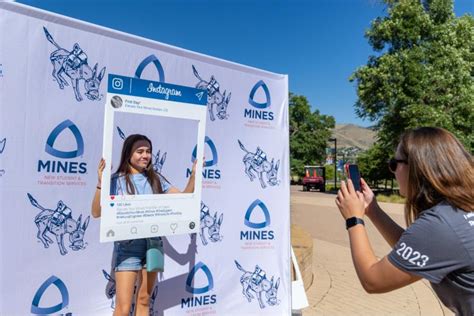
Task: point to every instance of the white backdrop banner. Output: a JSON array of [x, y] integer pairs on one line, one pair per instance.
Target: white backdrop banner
[[53, 86]]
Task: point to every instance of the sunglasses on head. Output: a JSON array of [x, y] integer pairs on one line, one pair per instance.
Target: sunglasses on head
[[393, 163]]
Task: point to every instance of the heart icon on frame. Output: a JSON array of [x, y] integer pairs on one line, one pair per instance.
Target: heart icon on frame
[[173, 226], [112, 204], [112, 197]]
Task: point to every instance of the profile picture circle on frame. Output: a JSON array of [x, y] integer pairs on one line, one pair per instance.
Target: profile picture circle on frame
[[116, 102]]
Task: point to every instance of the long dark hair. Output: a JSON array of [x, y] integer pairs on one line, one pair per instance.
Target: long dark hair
[[124, 168], [439, 169]]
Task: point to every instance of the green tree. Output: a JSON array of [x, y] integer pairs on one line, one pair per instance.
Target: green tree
[[373, 166], [309, 132], [421, 75]]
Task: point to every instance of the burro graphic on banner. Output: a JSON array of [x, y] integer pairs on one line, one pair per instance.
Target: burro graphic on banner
[[216, 100], [210, 226], [257, 165], [140, 114], [74, 66], [256, 284], [59, 222]]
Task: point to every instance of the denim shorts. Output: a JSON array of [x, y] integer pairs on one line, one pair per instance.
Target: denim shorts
[[130, 255]]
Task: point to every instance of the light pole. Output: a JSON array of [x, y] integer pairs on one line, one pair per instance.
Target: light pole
[[335, 160]]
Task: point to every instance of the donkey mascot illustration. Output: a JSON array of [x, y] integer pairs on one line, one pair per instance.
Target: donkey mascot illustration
[[153, 296], [110, 288], [258, 283], [74, 65], [59, 222], [214, 97], [258, 162], [157, 161], [212, 224]]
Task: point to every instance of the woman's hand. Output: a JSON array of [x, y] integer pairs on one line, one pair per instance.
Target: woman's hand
[[193, 169], [350, 202], [369, 197], [100, 170], [190, 186]]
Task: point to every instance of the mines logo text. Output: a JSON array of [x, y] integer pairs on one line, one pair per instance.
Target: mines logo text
[[64, 161], [200, 295], [47, 296], [210, 172], [259, 110], [258, 230]]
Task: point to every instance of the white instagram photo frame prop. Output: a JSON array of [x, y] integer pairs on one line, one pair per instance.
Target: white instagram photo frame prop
[[149, 215]]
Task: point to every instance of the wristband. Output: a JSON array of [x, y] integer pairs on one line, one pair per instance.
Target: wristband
[[354, 221]]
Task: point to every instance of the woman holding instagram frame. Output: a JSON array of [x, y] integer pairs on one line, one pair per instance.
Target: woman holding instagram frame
[[435, 175], [135, 175]]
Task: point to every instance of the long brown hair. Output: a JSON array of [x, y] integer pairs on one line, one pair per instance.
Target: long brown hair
[[124, 166], [439, 169]]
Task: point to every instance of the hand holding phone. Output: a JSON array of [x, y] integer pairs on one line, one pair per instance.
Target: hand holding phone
[[354, 174]]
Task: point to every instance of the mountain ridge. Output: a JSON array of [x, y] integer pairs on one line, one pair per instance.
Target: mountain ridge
[[351, 135]]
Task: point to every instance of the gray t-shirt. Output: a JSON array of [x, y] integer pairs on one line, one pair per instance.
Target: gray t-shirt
[[439, 246]]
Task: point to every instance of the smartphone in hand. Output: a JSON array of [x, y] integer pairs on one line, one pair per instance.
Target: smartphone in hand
[[354, 174]]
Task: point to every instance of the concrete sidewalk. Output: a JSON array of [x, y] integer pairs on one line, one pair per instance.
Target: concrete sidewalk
[[336, 290]]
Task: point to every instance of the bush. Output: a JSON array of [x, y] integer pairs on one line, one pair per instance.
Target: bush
[[393, 198]]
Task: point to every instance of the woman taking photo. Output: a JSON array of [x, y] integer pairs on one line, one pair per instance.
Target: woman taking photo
[[435, 175], [135, 175]]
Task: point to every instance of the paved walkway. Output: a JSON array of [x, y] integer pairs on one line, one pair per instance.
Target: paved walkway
[[336, 289]]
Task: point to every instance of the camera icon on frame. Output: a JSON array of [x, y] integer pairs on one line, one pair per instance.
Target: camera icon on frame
[[117, 83]]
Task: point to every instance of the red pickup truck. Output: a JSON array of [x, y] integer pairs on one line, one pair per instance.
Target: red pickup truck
[[315, 178]]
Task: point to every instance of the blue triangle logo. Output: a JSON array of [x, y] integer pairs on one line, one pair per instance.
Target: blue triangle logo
[[189, 280], [256, 104], [49, 147], [213, 149], [152, 59], [52, 280], [251, 209]]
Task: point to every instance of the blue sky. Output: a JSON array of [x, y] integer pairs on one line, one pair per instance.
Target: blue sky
[[318, 43]]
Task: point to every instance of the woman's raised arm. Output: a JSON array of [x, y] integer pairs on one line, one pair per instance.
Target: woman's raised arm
[[386, 226], [96, 209]]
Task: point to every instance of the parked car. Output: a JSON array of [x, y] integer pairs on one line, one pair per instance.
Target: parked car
[[315, 178]]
